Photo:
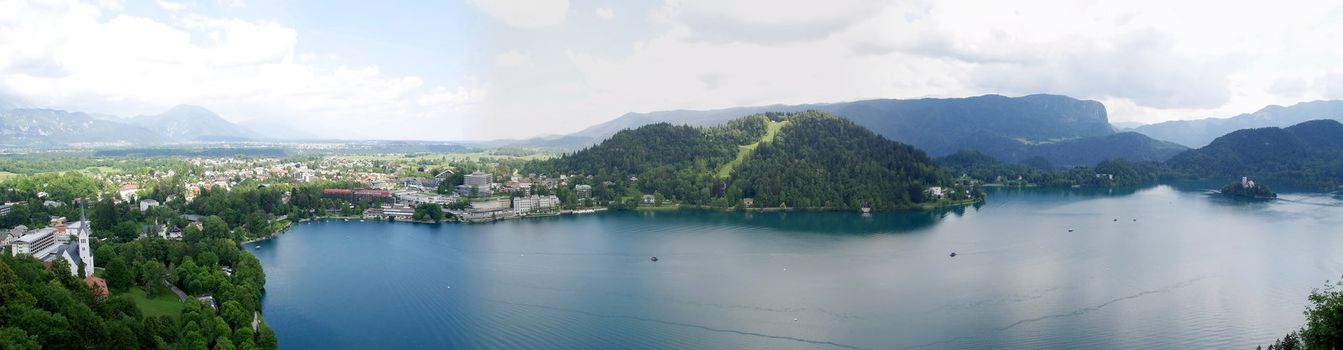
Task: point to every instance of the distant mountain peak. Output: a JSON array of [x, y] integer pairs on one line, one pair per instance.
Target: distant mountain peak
[[190, 109], [1200, 132], [193, 123]]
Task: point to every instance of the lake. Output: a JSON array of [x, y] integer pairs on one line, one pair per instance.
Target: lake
[[1159, 267]]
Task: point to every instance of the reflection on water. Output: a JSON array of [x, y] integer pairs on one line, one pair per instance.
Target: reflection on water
[[1153, 267]]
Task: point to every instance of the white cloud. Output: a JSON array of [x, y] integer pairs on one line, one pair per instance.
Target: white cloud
[[526, 13], [453, 98], [73, 56], [1149, 60], [173, 6], [511, 58]]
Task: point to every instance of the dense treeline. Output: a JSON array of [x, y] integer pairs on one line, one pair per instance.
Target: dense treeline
[[52, 163], [820, 161], [60, 187], [43, 307], [1040, 173], [676, 162]]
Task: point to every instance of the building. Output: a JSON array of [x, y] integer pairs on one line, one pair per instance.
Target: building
[[98, 285], [303, 175], [583, 191], [356, 194], [491, 204], [936, 192], [37, 243], [127, 192], [59, 241], [417, 198], [208, 300], [148, 203], [1246, 182], [5, 208], [477, 179], [649, 199], [81, 250], [535, 203], [475, 184], [390, 211], [13, 234]]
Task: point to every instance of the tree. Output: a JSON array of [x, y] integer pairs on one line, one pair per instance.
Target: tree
[[14, 338], [1291, 341], [1324, 318], [223, 343], [428, 211], [265, 338], [258, 223], [242, 337], [234, 314], [214, 228], [119, 276], [105, 215], [126, 231], [151, 275]]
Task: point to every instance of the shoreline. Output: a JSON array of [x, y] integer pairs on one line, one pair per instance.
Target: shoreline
[[675, 208]]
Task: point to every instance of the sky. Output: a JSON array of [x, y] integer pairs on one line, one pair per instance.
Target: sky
[[492, 69]]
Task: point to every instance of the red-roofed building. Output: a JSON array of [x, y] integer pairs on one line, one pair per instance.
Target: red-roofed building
[[98, 285]]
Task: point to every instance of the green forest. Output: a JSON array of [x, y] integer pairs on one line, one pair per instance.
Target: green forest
[[813, 161]]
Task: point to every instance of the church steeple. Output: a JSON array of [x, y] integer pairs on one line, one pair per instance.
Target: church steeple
[[85, 252]]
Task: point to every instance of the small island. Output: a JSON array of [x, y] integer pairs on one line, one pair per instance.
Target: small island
[[1246, 188]]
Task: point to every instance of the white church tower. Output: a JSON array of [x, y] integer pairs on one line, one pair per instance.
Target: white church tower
[[85, 252]]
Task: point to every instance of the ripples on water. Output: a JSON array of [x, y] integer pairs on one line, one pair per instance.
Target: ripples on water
[[1178, 268]]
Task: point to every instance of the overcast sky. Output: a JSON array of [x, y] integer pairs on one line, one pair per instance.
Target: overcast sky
[[484, 69]]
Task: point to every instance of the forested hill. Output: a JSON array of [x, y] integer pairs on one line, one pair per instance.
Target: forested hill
[[1308, 154], [808, 159], [819, 160]]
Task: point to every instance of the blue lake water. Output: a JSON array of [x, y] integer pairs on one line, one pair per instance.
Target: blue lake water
[[1178, 269]]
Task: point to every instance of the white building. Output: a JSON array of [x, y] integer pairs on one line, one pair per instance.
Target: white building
[[303, 175], [534, 203], [396, 212], [38, 243], [475, 184], [477, 179], [127, 192], [935, 192], [148, 203], [5, 208], [416, 198]]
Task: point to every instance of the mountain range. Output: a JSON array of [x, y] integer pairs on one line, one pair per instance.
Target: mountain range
[[1200, 132], [54, 128], [40, 128], [1063, 130]]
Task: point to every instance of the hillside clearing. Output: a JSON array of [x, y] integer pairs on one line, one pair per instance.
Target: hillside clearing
[[745, 151]]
